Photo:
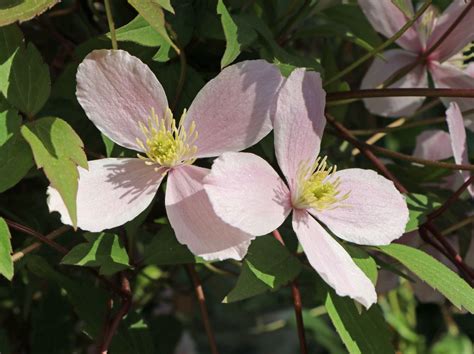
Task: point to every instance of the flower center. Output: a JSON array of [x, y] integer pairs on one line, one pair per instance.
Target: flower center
[[317, 188], [165, 144]]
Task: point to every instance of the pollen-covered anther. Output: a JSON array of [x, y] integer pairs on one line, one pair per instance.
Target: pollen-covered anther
[[165, 143], [317, 188]]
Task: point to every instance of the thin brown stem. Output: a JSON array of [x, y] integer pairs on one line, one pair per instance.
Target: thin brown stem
[[203, 307], [297, 304], [452, 199], [124, 309], [400, 92], [37, 235], [34, 246], [466, 221], [449, 30]]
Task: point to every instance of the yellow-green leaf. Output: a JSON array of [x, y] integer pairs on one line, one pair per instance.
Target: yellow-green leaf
[[6, 262], [58, 150], [14, 10], [152, 11]]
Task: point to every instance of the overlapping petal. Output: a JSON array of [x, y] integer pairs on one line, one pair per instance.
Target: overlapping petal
[[462, 34], [247, 193], [194, 221], [381, 70], [117, 91], [387, 19], [374, 213], [331, 260], [299, 122], [458, 140], [112, 192], [433, 145], [233, 111]]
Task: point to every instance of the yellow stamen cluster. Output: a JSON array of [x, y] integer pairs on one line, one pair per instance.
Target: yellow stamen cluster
[[165, 143], [464, 57], [317, 188]]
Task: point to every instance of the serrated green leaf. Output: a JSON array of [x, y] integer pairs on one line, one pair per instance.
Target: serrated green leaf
[[6, 262], [236, 37], [152, 12], [105, 251], [28, 85], [58, 150], [14, 10], [419, 206], [15, 160], [434, 273], [362, 333], [139, 31], [164, 249], [267, 266]]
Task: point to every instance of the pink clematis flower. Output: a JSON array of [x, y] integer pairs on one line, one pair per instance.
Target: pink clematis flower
[[440, 145], [126, 102], [358, 206], [445, 64]]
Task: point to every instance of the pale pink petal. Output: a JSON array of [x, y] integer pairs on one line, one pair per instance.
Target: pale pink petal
[[447, 75], [459, 37], [433, 145], [375, 213], [117, 91], [233, 111], [247, 193], [331, 260], [112, 192], [470, 70], [193, 220], [299, 122], [381, 70], [387, 19], [458, 140]]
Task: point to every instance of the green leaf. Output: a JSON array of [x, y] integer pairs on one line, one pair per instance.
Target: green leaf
[[459, 344], [267, 266], [364, 261], [14, 10], [152, 11], [237, 34], [104, 250], [6, 262], [419, 206], [362, 333], [58, 150], [15, 154], [434, 273], [164, 249], [28, 84], [139, 31], [351, 16], [166, 4], [11, 39], [88, 301]]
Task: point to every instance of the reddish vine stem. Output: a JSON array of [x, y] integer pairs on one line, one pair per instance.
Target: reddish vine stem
[[455, 196], [297, 304], [400, 92], [37, 235], [443, 246], [203, 307], [123, 311]]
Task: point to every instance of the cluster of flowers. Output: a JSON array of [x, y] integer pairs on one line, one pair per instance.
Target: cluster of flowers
[[217, 212]]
